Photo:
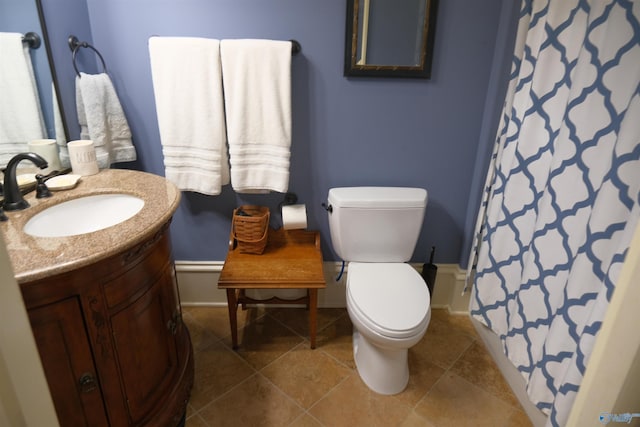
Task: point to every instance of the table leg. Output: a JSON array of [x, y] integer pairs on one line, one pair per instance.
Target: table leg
[[313, 318], [232, 304]]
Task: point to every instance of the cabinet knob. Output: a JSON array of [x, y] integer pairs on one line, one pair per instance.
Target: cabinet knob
[[174, 322], [87, 382]]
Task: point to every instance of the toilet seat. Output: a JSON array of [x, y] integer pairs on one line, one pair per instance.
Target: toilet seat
[[391, 299]]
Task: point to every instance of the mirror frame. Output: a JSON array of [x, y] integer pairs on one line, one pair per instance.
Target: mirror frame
[[52, 67], [422, 71]]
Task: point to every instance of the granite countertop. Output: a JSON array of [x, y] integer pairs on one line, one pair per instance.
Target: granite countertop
[[34, 258]]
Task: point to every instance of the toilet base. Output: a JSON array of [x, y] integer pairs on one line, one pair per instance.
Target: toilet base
[[385, 371]]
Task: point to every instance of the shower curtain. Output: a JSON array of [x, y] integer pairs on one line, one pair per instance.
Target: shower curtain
[[562, 196]]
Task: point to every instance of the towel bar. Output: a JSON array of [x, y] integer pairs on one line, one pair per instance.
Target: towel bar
[[295, 47], [75, 45], [32, 40]]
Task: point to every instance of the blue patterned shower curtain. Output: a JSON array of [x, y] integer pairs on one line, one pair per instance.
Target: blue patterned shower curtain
[[563, 191]]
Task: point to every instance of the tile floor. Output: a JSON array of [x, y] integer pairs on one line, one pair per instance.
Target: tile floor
[[274, 379]]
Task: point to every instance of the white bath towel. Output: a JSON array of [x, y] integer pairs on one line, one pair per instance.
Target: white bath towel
[[20, 113], [61, 137], [257, 88], [187, 84], [102, 119]]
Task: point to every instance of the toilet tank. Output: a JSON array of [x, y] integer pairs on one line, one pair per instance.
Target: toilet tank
[[376, 224]]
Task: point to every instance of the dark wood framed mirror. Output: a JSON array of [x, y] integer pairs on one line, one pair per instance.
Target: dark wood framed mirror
[[27, 17], [52, 67], [390, 38]]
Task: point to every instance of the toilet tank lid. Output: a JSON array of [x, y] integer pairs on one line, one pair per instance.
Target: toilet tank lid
[[378, 197]]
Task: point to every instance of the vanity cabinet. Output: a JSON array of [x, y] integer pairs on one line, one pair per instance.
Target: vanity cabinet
[[110, 335], [59, 332]]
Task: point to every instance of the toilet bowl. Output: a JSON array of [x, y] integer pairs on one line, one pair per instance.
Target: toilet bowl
[[387, 321], [376, 229]]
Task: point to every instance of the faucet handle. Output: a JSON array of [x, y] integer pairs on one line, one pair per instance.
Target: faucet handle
[[42, 190]]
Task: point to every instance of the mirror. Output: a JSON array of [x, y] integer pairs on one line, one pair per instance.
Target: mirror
[[20, 16], [389, 38]]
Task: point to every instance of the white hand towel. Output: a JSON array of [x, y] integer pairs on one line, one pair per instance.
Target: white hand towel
[[102, 119], [187, 84], [257, 89], [20, 115]]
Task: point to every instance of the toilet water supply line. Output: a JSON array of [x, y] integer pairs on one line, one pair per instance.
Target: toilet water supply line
[[329, 209], [341, 271]]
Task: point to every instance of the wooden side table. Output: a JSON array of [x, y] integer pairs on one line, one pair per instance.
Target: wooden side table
[[292, 259]]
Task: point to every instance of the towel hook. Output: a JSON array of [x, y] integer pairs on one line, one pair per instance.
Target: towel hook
[[75, 45]]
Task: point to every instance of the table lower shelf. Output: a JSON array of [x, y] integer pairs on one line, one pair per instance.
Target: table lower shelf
[[238, 297]]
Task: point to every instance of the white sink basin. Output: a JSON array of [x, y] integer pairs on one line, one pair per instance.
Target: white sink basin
[[84, 215]]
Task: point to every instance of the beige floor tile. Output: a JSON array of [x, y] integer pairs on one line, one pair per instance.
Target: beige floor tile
[[476, 366], [195, 421], [306, 375], [264, 340], [518, 418], [415, 420], [255, 402], [336, 340], [352, 404], [201, 336], [190, 410], [459, 323], [455, 402], [443, 343], [215, 320], [306, 420], [453, 381], [298, 318], [422, 376], [217, 370]]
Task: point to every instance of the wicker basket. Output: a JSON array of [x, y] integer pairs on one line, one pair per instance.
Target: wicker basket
[[250, 227]]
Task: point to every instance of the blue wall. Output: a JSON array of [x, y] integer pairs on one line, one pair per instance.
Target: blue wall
[[346, 132]]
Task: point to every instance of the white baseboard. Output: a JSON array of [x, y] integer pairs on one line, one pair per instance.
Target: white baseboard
[[447, 292], [198, 284]]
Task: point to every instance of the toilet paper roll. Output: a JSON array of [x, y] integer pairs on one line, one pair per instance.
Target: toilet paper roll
[[294, 217]]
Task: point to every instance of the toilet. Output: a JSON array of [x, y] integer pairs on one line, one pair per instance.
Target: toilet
[[375, 230]]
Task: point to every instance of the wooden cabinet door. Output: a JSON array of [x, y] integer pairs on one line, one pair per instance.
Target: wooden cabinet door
[[66, 356], [144, 337]]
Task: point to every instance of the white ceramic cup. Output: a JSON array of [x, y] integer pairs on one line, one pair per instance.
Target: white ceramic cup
[[82, 155], [48, 150]]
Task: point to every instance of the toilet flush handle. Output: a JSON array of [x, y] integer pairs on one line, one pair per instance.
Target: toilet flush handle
[[328, 208]]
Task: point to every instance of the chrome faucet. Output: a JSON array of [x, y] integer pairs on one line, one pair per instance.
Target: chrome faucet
[[13, 199]]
